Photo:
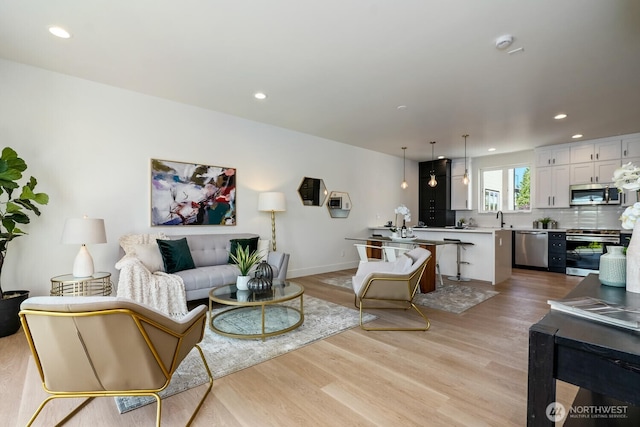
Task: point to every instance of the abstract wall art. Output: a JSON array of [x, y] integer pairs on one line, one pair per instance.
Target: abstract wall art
[[192, 194]]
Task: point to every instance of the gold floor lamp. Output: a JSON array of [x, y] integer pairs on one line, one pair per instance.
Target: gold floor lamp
[[272, 201]]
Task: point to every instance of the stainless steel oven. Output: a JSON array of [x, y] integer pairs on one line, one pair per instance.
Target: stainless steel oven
[[584, 248]]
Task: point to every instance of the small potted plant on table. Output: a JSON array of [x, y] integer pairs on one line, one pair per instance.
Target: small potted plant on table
[[245, 260]]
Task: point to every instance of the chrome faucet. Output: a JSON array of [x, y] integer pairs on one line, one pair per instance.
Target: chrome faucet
[[501, 216]]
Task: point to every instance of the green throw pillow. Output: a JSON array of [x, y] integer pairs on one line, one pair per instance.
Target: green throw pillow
[[252, 243], [175, 255]]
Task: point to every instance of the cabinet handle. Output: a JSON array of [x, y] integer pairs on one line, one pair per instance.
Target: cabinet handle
[[592, 157], [591, 178], [554, 161], [554, 200], [624, 153], [549, 201], [596, 179], [548, 161]]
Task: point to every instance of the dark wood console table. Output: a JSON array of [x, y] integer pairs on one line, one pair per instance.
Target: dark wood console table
[[594, 356], [428, 280]]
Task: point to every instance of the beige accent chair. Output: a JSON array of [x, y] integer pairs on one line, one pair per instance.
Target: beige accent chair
[[108, 346], [391, 282]]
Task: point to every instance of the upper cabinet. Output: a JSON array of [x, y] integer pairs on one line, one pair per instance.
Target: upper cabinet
[[630, 147], [552, 156], [460, 192], [597, 150]]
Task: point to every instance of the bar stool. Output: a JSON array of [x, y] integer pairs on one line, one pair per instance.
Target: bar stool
[[460, 245]]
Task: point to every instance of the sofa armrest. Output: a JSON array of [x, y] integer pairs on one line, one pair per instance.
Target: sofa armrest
[[280, 261]]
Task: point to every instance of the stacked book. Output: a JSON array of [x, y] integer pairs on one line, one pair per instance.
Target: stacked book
[[599, 311]]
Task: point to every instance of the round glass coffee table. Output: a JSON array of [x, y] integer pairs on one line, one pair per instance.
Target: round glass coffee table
[[256, 315]]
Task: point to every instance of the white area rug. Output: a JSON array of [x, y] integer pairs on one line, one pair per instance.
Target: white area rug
[[227, 355], [453, 297]]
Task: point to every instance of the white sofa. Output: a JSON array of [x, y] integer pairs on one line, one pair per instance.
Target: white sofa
[[142, 275]]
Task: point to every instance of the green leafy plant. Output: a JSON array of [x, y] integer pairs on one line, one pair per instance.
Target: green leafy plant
[[245, 259], [14, 211], [545, 220]]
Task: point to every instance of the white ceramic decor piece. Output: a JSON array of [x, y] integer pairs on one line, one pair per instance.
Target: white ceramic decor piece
[[241, 283], [613, 267]]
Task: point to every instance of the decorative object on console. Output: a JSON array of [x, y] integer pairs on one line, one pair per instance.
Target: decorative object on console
[[432, 181], [192, 194], [263, 278], [15, 212], [273, 202], [613, 267], [312, 191], [627, 177], [83, 231], [633, 260], [404, 184]]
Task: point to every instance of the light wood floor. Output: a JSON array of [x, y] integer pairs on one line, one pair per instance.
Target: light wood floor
[[469, 369]]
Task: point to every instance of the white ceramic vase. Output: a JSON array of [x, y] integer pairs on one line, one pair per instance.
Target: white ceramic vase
[[633, 260], [242, 283], [613, 267]]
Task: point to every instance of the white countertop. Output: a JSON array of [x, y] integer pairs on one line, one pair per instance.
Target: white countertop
[[477, 230]]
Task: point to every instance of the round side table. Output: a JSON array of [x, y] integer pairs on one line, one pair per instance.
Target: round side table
[[69, 285]]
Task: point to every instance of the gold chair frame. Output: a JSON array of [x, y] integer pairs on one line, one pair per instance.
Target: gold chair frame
[[413, 282], [139, 320]]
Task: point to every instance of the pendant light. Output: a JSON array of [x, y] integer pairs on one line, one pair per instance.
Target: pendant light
[[432, 182], [404, 184], [465, 178]]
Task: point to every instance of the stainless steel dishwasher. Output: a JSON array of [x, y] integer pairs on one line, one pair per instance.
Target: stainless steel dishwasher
[[532, 248]]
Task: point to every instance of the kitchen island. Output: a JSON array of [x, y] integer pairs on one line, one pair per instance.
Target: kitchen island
[[489, 257]]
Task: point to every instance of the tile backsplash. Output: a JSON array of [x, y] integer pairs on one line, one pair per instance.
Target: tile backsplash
[[575, 217]]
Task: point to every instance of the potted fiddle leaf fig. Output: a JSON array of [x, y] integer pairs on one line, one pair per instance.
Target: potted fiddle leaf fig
[[14, 213]]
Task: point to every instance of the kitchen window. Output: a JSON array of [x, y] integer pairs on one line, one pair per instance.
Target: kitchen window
[[506, 189]]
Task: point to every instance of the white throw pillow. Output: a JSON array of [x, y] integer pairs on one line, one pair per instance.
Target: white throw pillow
[[264, 246], [150, 256], [402, 264]]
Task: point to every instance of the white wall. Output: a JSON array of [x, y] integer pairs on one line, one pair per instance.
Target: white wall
[[89, 145]]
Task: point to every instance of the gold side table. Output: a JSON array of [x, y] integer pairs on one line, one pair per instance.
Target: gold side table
[[69, 285]]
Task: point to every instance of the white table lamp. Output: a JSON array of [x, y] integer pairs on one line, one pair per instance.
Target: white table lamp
[[272, 201], [83, 231]]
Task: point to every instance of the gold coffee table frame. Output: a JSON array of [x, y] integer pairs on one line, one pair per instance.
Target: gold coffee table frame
[[279, 293]]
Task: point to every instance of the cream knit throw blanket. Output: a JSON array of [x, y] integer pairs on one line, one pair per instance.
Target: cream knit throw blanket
[[162, 291]]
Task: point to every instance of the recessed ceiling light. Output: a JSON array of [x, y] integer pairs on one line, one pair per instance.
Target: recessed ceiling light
[[504, 41], [577, 135], [59, 32], [491, 149], [440, 157], [260, 95], [401, 107], [560, 116]]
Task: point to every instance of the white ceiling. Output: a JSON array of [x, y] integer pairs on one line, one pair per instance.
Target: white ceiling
[[339, 69]]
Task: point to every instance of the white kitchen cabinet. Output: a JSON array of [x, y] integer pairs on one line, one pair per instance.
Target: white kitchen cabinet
[[552, 187], [631, 148], [597, 150], [593, 172], [460, 193], [556, 155]]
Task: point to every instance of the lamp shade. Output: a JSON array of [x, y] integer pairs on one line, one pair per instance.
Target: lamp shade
[[271, 201], [84, 231]]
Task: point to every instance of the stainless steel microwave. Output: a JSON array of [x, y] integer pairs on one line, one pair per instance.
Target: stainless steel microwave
[[593, 194]]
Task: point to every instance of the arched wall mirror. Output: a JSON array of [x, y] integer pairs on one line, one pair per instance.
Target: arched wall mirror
[[339, 204], [312, 191]]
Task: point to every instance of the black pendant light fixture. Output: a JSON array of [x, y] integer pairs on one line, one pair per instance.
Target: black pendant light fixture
[[465, 178], [432, 182], [404, 184]]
